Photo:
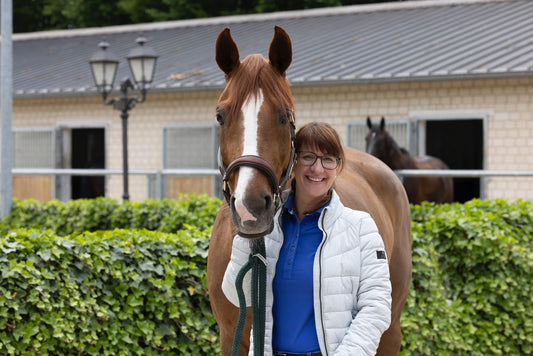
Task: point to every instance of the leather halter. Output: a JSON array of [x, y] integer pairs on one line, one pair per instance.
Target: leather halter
[[261, 164]]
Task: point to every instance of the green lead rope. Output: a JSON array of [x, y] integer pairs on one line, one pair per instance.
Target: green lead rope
[[257, 263]]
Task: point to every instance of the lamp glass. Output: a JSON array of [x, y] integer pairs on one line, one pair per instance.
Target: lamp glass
[[142, 69], [104, 73]]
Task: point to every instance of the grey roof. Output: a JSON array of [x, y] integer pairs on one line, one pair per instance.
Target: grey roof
[[402, 41]]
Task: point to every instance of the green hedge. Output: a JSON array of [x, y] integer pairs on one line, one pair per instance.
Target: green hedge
[[472, 280], [107, 214], [74, 283], [122, 292], [143, 292]]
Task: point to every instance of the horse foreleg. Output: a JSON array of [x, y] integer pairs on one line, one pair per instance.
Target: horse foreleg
[[400, 274], [225, 313], [391, 341], [227, 332]]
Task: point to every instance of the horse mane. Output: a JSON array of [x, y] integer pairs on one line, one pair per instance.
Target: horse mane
[[255, 73], [393, 142], [404, 151]]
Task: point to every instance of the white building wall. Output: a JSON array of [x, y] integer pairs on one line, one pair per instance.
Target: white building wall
[[507, 103]]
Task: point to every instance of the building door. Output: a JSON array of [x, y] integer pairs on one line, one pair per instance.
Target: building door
[[87, 152], [459, 143]]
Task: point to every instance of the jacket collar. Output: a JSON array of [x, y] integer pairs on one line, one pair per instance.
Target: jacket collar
[[332, 212], [329, 214]]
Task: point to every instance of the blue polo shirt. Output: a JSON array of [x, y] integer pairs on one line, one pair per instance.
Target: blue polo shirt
[[293, 309]]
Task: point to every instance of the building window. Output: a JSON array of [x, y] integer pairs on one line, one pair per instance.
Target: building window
[[190, 147]]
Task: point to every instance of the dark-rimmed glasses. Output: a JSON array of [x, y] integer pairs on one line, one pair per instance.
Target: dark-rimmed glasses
[[309, 158]]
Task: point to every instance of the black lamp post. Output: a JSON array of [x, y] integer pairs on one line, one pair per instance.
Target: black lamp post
[[104, 66]]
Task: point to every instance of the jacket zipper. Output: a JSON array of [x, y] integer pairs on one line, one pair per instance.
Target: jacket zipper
[[320, 280]]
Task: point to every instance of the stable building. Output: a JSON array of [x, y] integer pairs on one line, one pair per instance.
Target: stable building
[[453, 79]]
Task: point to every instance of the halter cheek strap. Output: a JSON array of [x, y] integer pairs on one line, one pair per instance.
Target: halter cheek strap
[[261, 164]]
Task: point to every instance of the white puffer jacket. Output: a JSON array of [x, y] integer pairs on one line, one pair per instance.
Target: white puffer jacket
[[352, 289]]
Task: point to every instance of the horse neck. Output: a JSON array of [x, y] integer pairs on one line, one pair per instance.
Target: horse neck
[[400, 159]]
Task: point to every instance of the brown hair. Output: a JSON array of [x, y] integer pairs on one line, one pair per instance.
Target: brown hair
[[322, 136]]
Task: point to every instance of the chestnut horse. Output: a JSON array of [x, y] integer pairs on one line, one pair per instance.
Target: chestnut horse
[[380, 143], [255, 113]]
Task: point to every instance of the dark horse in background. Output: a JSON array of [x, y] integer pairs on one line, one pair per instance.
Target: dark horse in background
[[380, 143], [255, 114]]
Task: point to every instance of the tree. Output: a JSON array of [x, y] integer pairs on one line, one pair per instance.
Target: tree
[[84, 13], [39, 15], [28, 16]]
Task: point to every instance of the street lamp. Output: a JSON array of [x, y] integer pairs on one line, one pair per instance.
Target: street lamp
[[104, 66]]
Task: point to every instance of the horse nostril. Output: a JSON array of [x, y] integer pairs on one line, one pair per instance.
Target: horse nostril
[[268, 201]]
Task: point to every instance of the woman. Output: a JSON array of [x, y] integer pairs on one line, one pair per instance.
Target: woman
[[328, 287]]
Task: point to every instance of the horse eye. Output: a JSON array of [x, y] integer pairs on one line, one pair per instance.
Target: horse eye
[[283, 119], [220, 118], [286, 117]]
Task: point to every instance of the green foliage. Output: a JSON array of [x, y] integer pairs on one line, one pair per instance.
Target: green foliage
[[39, 15], [107, 214], [69, 14], [472, 280], [116, 292], [273, 5]]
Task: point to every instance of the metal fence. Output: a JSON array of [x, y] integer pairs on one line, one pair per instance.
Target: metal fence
[[156, 178], [464, 173]]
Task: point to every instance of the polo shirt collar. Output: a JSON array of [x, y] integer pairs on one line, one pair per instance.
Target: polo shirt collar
[[289, 206]]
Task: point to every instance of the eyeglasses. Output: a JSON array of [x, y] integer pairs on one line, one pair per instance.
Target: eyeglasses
[[309, 158]]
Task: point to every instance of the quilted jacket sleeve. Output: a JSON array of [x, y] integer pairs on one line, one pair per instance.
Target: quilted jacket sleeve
[[239, 256], [373, 299]]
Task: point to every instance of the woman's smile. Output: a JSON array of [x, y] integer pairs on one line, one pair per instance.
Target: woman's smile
[[315, 179]]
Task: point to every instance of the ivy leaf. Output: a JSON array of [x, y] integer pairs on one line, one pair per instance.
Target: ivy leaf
[[11, 246], [45, 255]]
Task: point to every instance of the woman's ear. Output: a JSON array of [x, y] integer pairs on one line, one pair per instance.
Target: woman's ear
[[339, 168]]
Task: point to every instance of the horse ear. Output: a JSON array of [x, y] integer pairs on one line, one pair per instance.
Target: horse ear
[[369, 122], [382, 124], [280, 51], [226, 52]]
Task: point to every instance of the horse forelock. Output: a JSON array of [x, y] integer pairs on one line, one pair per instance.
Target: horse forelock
[[255, 74]]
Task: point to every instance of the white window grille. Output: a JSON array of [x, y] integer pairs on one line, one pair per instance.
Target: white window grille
[[35, 148], [190, 146], [400, 130]]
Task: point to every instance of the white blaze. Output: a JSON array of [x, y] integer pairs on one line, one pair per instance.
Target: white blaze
[[250, 112]]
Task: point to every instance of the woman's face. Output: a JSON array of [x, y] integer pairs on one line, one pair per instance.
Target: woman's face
[[314, 180]]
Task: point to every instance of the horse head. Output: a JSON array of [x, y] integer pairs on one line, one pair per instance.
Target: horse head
[[255, 114], [378, 141]]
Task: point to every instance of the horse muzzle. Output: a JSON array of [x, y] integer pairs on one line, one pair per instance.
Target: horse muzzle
[[253, 216], [253, 209]]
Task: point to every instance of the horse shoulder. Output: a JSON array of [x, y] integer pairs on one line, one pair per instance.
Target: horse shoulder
[[435, 189], [430, 162], [369, 185]]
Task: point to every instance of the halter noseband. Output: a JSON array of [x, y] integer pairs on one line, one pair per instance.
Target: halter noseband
[[261, 164]]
